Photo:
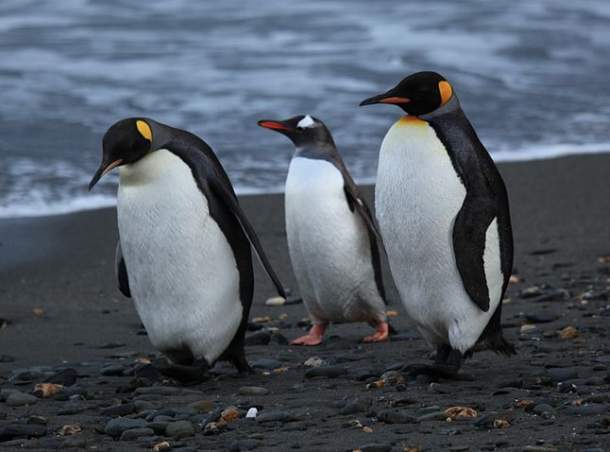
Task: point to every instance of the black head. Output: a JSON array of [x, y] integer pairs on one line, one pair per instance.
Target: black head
[[127, 141], [418, 94], [303, 130]]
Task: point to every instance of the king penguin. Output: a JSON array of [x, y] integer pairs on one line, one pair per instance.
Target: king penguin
[[442, 204], [332, 237], [184, 242]]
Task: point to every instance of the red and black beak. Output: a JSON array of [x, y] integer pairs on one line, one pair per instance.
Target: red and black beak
[[280, 126], [390, 97]]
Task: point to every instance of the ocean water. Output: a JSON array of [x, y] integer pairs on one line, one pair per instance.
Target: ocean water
[[532, 77]]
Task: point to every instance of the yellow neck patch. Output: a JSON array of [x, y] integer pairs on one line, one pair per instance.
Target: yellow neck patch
[[446, 91], [409, 120], [144, 129]]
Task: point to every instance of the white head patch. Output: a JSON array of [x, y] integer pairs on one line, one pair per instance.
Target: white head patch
[[307, 121]]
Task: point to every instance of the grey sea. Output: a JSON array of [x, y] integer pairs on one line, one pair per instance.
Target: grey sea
[[532, 77]]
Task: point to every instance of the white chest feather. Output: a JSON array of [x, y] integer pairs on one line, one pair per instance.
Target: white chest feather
[[182, 272], [418, 196], [328, 243]]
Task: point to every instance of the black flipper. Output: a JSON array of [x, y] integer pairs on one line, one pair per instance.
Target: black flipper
[[121, 271], [469, 231], [231, 202], [357, 203]]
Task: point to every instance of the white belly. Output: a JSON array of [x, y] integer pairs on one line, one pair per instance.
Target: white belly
[[329, 245], [182, 272], [418, 196]]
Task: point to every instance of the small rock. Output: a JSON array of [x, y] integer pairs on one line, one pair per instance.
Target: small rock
[[530, 292], [275, 301], [501, 423], [65, 377], [374, 448], [230, 414], [161, 447], [560, 374], [7, 358], [111, 345], [135, 433], [314, 361], [69, 429], [588, 409], [396, 417], [18, 398], [38, 420], [569, 332], [261, 337], [266, 363], [202, 406], [326, 372], [46, 390], [253, 391], [356, 406], [119, 410], [214, 428], [252, 412], [527, 328], [275, 416], [456, 412], [115, 427], [543, 409], [12, 431], [180, 429], [114, 370]]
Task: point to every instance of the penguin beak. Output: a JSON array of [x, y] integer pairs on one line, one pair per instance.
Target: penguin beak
[[389, 97], [275, 125], [102, 171]]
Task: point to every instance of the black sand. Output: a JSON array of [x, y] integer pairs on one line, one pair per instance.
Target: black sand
[[60, 308]]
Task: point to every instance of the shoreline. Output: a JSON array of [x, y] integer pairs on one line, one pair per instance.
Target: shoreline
[[539, 153]]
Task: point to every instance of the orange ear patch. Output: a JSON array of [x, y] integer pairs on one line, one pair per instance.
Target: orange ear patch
[[144, 129], [446, 91]]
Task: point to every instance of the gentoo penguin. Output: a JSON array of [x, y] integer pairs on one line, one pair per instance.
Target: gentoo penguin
[[442, 206], [184, 248], [332, 237]]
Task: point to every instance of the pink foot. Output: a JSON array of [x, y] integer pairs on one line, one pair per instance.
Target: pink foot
[[314, 337], [382, 333]]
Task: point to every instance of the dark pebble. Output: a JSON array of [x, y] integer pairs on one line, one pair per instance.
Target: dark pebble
[[589, 409], [278, 339], [356, 406], [540, 318], [65, 377], [266, 363], [245, 444], [326, 372], [275, 416], [115, 427], [113, 370], [259, 338], [6, 359], [12, 431], [180, 429], [396, 417], [119, 410], [543, 409], [558, 374], [111, 345], [135, 433], [18, 398], [375, 448]]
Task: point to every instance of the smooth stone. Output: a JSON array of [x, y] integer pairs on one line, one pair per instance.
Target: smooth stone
[[275, 416], [112, 371], [135, 433], [115, 427], [11, 431], [266, 363], [558, 374], [65, 377], [119, 410], [17, 398], [356, 406], [326, 372], [589, 409], [244, 444], [180, 429], [253, 390], [543, 409], [375, 448], [261, 337], [396, 417]]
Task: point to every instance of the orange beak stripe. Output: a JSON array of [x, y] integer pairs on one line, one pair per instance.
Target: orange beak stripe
[[395, 100]]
